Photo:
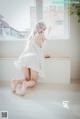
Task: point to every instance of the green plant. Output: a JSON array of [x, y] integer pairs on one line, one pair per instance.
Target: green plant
[[74, 9]]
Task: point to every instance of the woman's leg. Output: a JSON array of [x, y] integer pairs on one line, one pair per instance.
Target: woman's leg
[[26, 72], [15, 82], [31, 83]]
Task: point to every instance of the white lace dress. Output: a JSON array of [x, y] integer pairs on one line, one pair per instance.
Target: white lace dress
[[32, 57]]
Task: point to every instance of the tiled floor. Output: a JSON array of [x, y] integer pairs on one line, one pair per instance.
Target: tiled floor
[[45, 101]]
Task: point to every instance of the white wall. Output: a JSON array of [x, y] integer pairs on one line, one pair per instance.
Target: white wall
[[69, 47]]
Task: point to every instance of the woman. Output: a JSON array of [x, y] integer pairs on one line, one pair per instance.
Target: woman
[[31, 60]]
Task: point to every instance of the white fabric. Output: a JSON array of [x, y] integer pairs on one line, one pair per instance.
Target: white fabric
[[32, 57]]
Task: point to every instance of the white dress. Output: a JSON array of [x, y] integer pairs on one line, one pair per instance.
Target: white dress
[[32, 57]]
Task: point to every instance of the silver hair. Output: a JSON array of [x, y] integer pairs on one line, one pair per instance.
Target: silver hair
[[38, 25]]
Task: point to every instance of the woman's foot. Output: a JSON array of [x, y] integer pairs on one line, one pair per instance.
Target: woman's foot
[[13, 85], [23, 89]]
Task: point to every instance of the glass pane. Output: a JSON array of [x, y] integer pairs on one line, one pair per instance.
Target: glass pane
[[53, 15], [17, 18]]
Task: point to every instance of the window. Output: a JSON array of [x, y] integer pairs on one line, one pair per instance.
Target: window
[[17, 18], [56, 17]]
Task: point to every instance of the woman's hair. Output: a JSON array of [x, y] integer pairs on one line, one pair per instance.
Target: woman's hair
[[38, 25]]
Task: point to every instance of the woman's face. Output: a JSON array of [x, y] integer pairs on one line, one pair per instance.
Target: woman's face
[[41, 30]]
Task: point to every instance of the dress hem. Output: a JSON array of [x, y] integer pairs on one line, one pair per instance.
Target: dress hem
[[20, 66]]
